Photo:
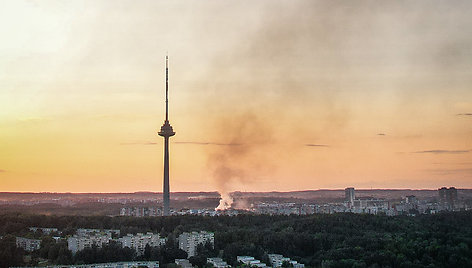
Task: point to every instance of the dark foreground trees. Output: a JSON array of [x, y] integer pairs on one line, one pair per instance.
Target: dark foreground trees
[[10, 255], [338, 240], [113, 252]]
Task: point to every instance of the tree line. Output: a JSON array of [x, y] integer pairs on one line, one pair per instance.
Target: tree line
[[320, 240]]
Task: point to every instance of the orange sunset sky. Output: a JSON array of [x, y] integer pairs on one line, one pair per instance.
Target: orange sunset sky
[[264, 95]]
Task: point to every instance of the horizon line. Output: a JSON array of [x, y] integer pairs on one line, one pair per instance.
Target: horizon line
[[215, 191]]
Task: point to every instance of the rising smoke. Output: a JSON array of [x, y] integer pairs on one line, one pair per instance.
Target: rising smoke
[[243, 160], [302, 69], [266, 101], [239, 156]]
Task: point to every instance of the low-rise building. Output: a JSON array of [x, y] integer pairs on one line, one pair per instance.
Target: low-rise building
[[250, 261], [28, 244], [218, 262], [295, 264], [184, 263]]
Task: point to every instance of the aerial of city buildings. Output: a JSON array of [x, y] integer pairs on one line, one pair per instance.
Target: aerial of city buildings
[[86, 238], [409, 205], [352, 201], [187, 241], [447, 200]]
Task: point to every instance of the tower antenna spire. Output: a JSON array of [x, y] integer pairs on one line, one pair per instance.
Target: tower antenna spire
[[167, 87]]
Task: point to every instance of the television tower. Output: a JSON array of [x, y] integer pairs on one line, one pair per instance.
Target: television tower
[[166, 132]]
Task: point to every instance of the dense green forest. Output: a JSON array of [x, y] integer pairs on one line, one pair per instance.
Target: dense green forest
[[336, 240]]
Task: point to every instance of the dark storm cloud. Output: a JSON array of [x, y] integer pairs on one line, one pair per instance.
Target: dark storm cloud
[[381, 134], [465, 114]]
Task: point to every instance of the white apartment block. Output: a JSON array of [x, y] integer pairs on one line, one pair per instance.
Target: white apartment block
[[28, 244], [276, 260], [189, 241], [77, 243], [250, 261], [218, 263], [139, 241]]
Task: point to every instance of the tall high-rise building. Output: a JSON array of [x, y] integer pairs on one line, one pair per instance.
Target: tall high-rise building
[[448, 197], [166, 132], [189, 241], [350, 195]]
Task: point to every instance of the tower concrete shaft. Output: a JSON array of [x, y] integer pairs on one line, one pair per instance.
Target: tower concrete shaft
[[166, 132]]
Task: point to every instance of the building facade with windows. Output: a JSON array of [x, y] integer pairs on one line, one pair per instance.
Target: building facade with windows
[[77, 243], [189, 241], [28, 244], [139, 241]]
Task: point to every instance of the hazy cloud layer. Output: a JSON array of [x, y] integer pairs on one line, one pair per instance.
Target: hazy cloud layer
[[451, 171], [465, 114], [316, 145], [208, 143], [139, 143], [442, 152]]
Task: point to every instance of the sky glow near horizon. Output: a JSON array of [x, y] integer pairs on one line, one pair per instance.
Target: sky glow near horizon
[[264, 95]]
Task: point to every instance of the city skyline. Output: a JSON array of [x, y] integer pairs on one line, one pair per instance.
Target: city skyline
[[267, 96]]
